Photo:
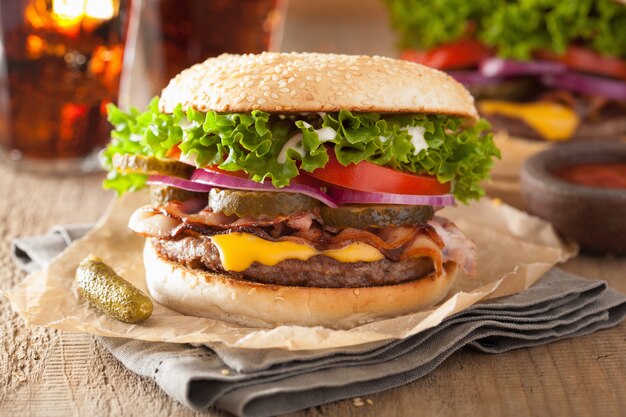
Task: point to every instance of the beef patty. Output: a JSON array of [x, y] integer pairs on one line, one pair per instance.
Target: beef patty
[[317, 271]]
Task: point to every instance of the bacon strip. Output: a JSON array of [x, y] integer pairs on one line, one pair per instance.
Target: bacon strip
[[439, 239], [458, 247]]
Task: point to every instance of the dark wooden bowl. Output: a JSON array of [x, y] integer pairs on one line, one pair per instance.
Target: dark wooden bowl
[[595, 217]]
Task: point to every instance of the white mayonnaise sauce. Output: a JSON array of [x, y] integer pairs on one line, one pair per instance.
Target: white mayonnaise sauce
[[417, 138], [324, 134], [186, 124], [295, 142]]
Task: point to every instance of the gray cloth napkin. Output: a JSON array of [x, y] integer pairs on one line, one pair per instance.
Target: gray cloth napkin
[[248, 382]]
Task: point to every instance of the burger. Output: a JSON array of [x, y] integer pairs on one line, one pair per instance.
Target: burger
[[301, 188], [549, 70]]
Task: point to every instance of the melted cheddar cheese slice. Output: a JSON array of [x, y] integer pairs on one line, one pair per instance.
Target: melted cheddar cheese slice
[[238, 251], [553, 121]]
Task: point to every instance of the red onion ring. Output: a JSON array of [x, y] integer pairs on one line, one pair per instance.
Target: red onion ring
[[587, 84], [179, 183], [496, 67], [203, 181], [221, 180], [346, 196]]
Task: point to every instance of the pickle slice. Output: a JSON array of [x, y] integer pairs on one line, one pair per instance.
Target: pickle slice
[[161, 194], [141, 164], [110, 293], [362, 217], [511, 89], [259, 203]]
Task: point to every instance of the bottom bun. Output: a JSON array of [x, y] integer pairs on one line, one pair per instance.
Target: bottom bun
[[216, 295]]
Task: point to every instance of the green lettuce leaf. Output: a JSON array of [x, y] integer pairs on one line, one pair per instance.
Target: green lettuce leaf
[[147, 133], [271, 147], [515, 29], [458, 153]]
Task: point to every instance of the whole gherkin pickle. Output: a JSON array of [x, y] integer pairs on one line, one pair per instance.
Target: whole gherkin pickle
[[110, 293]]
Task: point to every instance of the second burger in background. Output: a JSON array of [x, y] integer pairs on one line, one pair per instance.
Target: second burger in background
[[301, 188], [552, 70]]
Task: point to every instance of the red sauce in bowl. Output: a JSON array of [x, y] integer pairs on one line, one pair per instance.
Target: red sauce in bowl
[[598, 175]]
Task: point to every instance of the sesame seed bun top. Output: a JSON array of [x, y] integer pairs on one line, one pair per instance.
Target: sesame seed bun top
[[312, 82]]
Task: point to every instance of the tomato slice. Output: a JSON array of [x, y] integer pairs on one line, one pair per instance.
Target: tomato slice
[[238, 174], [586, 60], [463, 53], [369, 177], [175, 153]]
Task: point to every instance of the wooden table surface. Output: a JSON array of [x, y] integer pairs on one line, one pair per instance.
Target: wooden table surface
[[45, 372]]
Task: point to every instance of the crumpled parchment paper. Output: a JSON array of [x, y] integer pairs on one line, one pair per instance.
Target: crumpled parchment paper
[[514, 251]]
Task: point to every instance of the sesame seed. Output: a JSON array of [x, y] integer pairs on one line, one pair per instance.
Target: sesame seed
[[274, 96], [370, 402], [251, 99], [284, 90], [357, 402], [356, 291], [262, 101], [225, 372], [233, 295], [252, 291]]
